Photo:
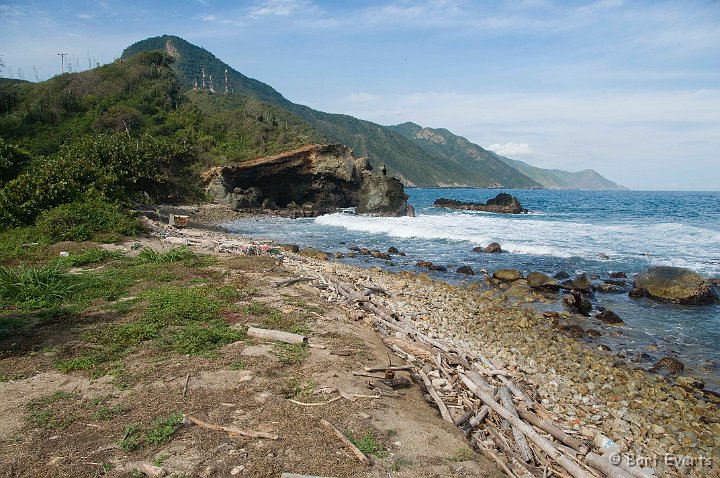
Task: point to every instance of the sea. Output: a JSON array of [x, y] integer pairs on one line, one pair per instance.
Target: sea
[[593, 232]]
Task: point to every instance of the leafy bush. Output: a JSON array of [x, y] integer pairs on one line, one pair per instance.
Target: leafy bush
[[12, 160], [85, 219], [117, 167], [33, 287]]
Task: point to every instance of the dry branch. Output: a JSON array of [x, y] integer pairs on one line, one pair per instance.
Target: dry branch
[[294, 280], [360, 455], [525, 452], [603, 464], [443, 409], [553, 430]]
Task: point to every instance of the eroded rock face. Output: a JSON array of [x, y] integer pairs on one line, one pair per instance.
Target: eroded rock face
[[502, 203], [673, 284], [312, 180]]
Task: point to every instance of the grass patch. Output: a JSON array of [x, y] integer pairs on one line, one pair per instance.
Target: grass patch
[[176, 254], [463, 454], [237, 365], [399, 464], [291, 354], [176, 306], [89, 256], [201, 339], [258, 309], [42, 412], [278, 321], [103, 411], [369, 445], [33, 287]]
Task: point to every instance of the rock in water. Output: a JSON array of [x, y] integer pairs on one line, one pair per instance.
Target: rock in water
[[321, 177], [502, 203], [609, 317], [673, 284], [668, 364], [493, 248], [507, 275], [576, 302], [467, 270]]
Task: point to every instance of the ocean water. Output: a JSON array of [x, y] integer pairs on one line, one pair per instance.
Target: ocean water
[[595, 232]]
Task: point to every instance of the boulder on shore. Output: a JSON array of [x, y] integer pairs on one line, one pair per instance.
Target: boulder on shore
[[502, 203], [673, 284], [320, 177]]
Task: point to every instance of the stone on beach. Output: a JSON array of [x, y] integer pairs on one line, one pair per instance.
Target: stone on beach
[[507, 275], [540, 280]]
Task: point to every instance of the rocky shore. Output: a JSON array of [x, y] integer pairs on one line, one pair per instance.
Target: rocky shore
[[587, 390]]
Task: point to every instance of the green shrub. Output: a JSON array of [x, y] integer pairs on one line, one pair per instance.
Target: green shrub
[[33, 287], [12, 160], [85, 219]]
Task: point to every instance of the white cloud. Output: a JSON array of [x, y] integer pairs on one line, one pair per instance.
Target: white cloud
[[209, 18], [510, 149], [276, 8]]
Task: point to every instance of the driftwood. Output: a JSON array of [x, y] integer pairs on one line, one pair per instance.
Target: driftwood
[[294, 280], [360, 455], [279, 335], [232, 430], [394, 368], [528, 431], [553, 430], [185, 387], [602, 463], [525, 451], [506, 381], [443, 409]]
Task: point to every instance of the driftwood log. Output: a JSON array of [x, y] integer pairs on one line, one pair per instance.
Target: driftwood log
[[356, 451], [279, 335]]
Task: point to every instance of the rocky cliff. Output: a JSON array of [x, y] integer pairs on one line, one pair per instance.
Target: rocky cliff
[[308, 181]]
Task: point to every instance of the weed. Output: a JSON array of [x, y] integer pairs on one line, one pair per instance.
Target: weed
[[104, 411], [162, 429], [42, 413], [369, 445], [176, 254], [33, 287], [291, 354], [201, 339], [237, 365], [107, 468], [463, 454], [399, 464], [132, 438], [89, 360]]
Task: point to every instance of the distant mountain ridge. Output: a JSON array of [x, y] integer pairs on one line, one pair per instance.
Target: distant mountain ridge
[[417, 160]]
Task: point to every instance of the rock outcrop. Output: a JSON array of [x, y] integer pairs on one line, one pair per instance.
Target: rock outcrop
[[502, 203], [673, 284], [309, 181]]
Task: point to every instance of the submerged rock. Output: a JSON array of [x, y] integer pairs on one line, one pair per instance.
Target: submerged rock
[[562, 275], [467, 270], [502, 203], [673, 284], [578, 303]]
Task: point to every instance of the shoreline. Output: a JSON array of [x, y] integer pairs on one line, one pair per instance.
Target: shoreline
[[586, 390]]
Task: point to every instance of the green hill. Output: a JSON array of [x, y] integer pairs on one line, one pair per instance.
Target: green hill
[[559, 179], [412, 162]]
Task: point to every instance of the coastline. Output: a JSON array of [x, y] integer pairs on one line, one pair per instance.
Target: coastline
[[582, 387]]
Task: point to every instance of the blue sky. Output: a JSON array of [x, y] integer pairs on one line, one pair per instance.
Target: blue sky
[[629, 88]]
